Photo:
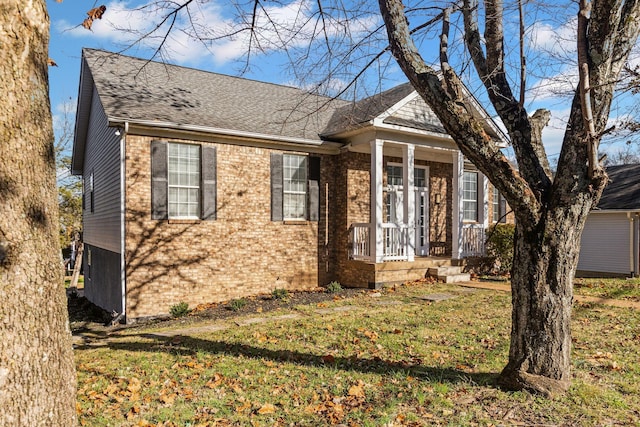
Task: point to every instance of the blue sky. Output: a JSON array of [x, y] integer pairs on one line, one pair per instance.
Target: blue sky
[[546, 34]]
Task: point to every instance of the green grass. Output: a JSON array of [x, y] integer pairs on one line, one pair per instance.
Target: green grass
[[413, 363], [609, 288], [67, 281]]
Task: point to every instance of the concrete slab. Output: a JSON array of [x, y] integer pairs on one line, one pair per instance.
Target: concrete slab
[[436, 297]]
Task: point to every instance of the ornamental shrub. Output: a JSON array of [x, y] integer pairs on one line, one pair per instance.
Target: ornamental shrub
[[500, 247]]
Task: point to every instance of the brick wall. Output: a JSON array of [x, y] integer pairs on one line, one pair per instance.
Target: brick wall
[[240, 253]]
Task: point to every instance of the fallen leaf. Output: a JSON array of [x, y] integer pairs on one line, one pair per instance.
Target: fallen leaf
[[168, 399], [356, 391], [267, 408], [243, 407]]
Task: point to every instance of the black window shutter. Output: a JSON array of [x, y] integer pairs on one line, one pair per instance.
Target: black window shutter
[[159, 185], [276, 187], [314, 188], [209, 183], [503, 209]]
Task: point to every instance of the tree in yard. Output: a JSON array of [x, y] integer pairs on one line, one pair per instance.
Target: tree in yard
[[37, 376], [550, 209], [69, 186]]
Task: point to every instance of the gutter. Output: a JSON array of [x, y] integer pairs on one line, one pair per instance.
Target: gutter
[[216, 131], [123, 275]]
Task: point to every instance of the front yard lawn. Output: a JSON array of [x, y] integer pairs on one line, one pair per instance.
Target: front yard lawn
[[394, 359], [628, 289]]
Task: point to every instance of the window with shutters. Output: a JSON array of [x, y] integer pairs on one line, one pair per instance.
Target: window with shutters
[[294, 191], [183, 162], [183, 181], [470, 196]]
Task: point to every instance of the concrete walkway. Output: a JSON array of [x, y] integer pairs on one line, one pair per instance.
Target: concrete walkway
[[498, 286]]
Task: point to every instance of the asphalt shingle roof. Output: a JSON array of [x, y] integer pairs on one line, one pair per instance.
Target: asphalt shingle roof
[[623, 190], [136, 89]]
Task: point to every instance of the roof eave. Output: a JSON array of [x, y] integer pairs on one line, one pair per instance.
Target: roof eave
[[232, 133]]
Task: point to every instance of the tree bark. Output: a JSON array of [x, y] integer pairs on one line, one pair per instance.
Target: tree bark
[[37, 375], [545, 260]]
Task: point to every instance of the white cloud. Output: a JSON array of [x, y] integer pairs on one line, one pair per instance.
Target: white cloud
[[207, 29], [560, 39]]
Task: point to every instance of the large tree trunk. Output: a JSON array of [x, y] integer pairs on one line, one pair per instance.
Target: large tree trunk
[[37, 376], [545, 260]]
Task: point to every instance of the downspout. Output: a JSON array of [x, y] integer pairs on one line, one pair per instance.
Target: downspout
[[636, 245], [123, 276]]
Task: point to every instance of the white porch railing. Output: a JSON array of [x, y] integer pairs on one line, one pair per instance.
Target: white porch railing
[[395, 240], [473, 238], [359, 241]]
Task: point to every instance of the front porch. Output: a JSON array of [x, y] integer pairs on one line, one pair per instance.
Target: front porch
[[410, 204]]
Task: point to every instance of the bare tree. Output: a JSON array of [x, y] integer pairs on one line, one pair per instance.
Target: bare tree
[[37, 375], [550, 209]]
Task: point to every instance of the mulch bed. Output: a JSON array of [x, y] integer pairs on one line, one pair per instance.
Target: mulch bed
[[85, 315]]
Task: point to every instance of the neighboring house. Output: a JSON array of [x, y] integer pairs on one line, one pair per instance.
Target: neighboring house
[[201, 187], [610, 240]]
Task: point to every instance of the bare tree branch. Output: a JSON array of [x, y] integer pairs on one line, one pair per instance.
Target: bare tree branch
[[466, 130]]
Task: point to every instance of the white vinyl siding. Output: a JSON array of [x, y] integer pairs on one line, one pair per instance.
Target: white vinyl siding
[[606, 244], [294, 187], [184, 180], [470, 196]]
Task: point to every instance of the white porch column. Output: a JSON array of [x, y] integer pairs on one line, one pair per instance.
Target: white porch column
[[456, 215], [375, 233], [409, 202], [483, 199]]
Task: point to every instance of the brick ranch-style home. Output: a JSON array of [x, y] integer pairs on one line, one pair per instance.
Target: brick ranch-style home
[[201, 187]]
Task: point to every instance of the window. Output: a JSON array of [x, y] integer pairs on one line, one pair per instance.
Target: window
[[470, 196], [419, 177], [294, 186], [88, 191], [394, 175], [184, 180], [499, 206]]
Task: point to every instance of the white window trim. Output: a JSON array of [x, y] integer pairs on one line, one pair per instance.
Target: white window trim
[[477, 199], [304, 193], [188, 187]]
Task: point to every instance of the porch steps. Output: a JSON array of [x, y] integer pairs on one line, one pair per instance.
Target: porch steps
[[449, 274]]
